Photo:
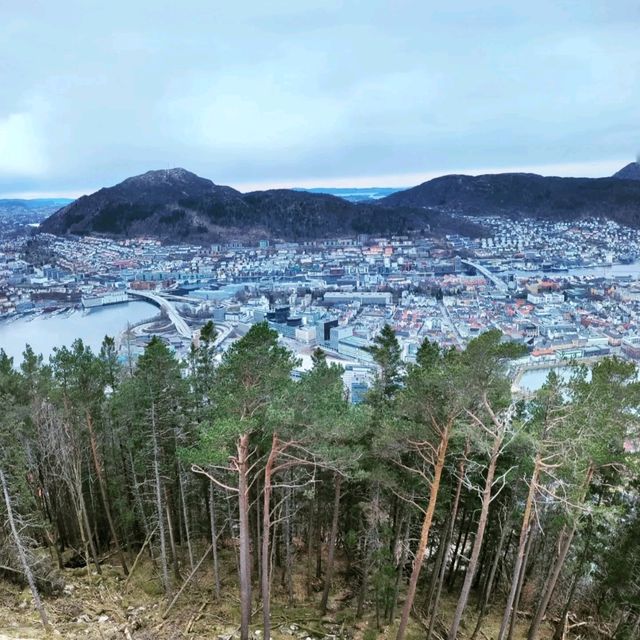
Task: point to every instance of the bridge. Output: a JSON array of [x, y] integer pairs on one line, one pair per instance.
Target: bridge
[[172, 313], [497, 282]]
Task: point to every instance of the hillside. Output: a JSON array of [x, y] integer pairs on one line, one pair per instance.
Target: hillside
[[200, 480], [157, 202], [176, 205], [630, 172], [525, 194]]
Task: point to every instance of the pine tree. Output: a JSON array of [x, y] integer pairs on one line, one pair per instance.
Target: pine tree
[[253, 373]]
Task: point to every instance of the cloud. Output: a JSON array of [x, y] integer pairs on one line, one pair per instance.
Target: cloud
[[315, 92], [21, 149]]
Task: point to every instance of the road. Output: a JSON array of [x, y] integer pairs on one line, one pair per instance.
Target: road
[[172, 313], [498, 282], [454, 326]]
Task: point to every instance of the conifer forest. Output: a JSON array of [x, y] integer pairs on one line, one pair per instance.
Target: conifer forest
[[229, 496]]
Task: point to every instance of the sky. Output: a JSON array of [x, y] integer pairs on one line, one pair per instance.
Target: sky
[[308, 93]]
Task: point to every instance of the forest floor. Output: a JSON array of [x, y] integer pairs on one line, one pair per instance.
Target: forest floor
[[106, 607]]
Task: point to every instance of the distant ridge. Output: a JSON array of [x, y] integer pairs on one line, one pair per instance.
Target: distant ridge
[[176, 205], [34, 203], [355, 194], [630, 172], [526, 195]]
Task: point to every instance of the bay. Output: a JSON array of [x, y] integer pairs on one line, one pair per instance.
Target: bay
[[603, 271], [46, 332]]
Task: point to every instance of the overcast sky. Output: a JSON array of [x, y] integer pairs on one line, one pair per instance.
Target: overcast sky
[[304, 93]]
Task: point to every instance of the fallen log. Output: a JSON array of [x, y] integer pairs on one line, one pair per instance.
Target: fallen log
[[186, 582]]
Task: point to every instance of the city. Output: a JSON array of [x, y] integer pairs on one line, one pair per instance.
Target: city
[[320, 320], [568, 291]]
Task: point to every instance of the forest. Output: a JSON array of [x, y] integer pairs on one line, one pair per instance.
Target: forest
[[443, 506]]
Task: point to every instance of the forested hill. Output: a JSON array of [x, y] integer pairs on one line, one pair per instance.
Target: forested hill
[[527, 195], [629, 172], [152, 500], [177, 205]]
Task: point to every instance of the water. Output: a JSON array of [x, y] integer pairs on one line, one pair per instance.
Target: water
[[533, 379], [44, 333], [224, 293], [632, 270]]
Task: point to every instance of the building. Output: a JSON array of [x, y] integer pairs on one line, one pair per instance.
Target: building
[[279, 314], [323, 329], [354, 347], [631, 347], [363, 297], [339, 333], [306, 334]]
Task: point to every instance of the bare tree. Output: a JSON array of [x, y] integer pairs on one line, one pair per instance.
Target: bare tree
[[495, 430], [22, 554]]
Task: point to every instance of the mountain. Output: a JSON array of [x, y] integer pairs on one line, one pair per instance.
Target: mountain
[[139, 204], [177, 205], [526, 195], [630, 172]]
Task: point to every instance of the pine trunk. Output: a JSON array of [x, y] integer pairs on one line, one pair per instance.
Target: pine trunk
[[185, 518], [172, 540], [477, 543], [288, 552], [97, 463], [166, 583], [87, 528], [328, 577], [265, 573], [371, 543], [456, 550], [214, 541], [400, 572], [488, 589], [460, 553], [245, 536], [521, 580], [524, 534], [438, 581], [555, 569], [424, 534], [310, 539]]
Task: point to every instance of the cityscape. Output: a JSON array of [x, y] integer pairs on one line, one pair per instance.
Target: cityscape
[[320, 320], [569, 291]]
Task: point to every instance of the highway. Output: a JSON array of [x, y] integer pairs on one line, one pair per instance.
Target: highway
[[498, 282], [172, 313]]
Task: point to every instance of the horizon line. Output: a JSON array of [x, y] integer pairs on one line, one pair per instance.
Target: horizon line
[[589, 169]]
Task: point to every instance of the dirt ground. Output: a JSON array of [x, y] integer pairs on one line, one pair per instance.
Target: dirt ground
[[107, 607]]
